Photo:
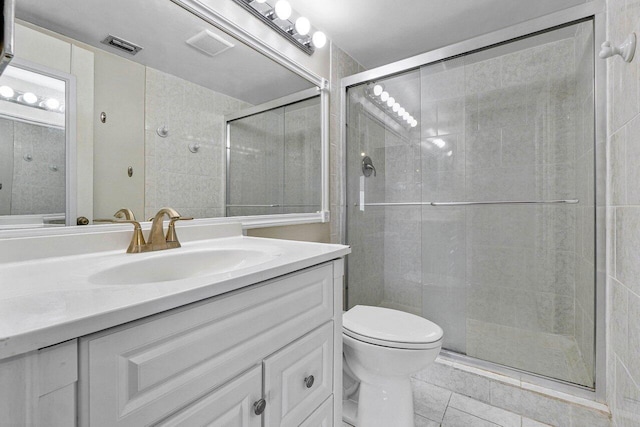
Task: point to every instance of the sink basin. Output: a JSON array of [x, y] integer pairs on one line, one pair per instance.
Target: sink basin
[[176, 265]]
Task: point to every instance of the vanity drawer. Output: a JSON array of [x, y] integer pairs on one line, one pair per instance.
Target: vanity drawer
[[231, 404], [298, 378], [321, 417], [147, 370]]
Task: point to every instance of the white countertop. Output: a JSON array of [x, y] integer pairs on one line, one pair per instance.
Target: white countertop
[[47, 300]]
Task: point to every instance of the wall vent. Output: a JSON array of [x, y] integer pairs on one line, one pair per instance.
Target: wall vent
[[121, 44]]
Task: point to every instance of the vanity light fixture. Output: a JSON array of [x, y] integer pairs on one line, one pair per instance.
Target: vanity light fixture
[[52, 104], [283, 9], [6, 92], [303, 26], [30, 99], [282, 19], [390, 105]]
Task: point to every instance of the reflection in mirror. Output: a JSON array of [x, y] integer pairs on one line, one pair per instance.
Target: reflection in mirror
[[32, 149], [151, 121], [274, 160]]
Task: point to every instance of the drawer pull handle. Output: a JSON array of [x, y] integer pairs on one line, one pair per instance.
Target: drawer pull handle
[[309, 381], [259, 406]]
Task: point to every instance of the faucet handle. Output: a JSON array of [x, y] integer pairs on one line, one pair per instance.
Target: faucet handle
[[137, 243], [172, 238], [125, 213]]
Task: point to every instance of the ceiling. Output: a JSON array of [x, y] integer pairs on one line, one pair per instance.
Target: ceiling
[[377, 32], [162, 29]]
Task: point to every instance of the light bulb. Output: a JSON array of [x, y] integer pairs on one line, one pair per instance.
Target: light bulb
[[52, 104], [6, 92], [319, 39], [283, 9], [377, 90], [396, 107], [384, 96], [405, 115], [449, 153], [391, 101], [401, 111], [303, 26], [414, 123], [29, 98]]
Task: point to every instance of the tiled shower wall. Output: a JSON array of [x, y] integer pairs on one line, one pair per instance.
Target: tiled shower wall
[[275, 160], [257, 162], [302, 157], [192, 183], [623, 220], [36, 186]]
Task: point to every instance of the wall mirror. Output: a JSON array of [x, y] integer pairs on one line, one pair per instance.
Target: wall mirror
[[161, 94]]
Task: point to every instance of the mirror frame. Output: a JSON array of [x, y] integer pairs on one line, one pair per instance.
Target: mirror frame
[[216, 19], [69, 133]]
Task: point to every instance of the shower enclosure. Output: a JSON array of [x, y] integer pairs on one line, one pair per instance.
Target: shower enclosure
[[472, 201]]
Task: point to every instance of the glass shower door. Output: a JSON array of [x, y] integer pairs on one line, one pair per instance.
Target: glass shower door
[[482, 219]]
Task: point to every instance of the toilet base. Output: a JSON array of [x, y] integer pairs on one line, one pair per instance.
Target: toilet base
[[388, 404]]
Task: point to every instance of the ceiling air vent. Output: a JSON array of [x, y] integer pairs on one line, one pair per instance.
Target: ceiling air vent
[[121, 44], [209, 43]]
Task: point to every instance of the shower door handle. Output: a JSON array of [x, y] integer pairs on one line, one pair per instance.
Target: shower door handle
[[367, 167]]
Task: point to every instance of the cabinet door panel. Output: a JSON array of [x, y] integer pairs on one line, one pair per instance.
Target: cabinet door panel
[[321, 417], [290, 395], [143, 373], [229, 406]]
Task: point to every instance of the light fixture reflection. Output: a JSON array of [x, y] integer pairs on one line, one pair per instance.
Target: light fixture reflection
[[52, 104], [29, 98], [377, 90], [6, 92], [439, 143]]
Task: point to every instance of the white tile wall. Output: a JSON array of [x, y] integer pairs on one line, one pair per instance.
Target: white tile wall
[[623, 222], [192, 183]]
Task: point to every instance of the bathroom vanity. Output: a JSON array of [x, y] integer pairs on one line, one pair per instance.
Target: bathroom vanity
[[252, 337]]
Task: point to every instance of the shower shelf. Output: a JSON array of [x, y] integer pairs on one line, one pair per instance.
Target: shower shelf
[[505, 202]]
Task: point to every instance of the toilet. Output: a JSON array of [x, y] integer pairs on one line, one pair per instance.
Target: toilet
[[382, 349]]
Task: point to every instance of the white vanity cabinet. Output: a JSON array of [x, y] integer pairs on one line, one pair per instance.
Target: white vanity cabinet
[[271, 348]]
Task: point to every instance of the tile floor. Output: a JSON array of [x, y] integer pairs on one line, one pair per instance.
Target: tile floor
[[462, 411]]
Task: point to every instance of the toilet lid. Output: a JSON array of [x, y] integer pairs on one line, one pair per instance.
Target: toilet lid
[[384, 326]]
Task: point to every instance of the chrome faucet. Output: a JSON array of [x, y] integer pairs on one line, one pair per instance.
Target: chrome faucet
[[157, 239]]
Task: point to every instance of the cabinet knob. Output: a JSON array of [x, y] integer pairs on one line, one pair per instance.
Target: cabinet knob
[[309, 381], [259, 406]]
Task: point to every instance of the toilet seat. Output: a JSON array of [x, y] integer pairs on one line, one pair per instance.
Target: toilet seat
[[391, 328]]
